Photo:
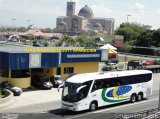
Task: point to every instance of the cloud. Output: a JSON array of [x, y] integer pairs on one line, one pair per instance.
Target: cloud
[[158, 10], [100, 10], [29, 7], [138, 8]]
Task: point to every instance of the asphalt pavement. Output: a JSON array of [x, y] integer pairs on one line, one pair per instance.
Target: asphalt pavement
[[43, 107]]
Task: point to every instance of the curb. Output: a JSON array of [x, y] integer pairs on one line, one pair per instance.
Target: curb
[[7, 101]]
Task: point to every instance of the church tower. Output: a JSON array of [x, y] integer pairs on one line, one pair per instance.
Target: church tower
[[70, 8]]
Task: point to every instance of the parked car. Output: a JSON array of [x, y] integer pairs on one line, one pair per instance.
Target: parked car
[[112, 60], [16, 90], [114, 65], [148, 62], [56, 80], [41, 82]]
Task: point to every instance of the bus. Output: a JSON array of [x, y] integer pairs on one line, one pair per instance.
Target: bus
[[93, 90]]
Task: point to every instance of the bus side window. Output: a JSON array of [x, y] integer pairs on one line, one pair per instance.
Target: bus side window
[[111, 82], [94, 86], [120, 81], [148, 77], [86, 89], [126, 80], [97, 85], [105, 83]]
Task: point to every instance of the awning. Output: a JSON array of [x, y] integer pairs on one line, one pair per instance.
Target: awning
[[108, 46], [111, 51]]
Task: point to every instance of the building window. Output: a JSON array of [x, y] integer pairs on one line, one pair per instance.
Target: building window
[[4, 73], [20, 73], [58, 71], [68, 70]]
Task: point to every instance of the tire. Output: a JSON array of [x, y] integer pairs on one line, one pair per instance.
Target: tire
[[133, 98], [93, 106], [140, 97]]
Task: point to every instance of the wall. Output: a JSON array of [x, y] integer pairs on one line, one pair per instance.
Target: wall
[[21, 82], [2, 79], [49, 72], [85, 67]]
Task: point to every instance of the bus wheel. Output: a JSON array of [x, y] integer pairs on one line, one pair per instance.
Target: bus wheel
[[140, 96], [93, 106], [133, 98]]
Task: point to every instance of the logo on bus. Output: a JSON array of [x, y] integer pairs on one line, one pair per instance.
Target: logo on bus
[[116, 94]]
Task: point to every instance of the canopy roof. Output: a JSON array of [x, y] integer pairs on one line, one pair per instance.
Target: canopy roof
[[108, 46]]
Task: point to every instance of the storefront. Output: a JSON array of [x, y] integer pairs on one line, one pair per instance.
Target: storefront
[[19, 66]]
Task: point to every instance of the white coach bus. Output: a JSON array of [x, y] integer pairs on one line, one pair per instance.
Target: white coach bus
[[92, 90]]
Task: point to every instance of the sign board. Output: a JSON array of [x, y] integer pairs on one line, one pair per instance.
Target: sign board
[[104, 54], [119, 41], [34, 60]]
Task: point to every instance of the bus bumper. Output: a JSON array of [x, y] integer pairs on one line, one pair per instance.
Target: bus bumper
[[69, 106]]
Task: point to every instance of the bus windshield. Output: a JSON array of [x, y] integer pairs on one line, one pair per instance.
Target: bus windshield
[[69, 91]]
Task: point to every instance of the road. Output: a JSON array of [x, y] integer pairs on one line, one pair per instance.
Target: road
[[52, 110]]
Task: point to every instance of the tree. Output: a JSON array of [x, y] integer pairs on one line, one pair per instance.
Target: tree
[[85, 41], [145, 39], [156, 38], [69, 41], [130, 31], [35, 43], [45, 44]]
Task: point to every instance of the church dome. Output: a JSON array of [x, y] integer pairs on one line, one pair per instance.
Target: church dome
[[86, 12]]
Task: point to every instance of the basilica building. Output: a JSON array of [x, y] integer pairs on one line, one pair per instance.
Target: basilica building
[[84, 22]]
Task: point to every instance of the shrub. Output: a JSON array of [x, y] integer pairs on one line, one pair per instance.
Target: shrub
[[120, 66], [107, 68]]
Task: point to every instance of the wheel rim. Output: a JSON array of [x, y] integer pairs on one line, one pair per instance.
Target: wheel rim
[[133, 98], [139, 97], [93, 106]]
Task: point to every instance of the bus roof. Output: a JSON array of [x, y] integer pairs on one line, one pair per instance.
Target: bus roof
[[80, 78]]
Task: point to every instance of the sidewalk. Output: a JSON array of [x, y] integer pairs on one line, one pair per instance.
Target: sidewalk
[[35, 97]]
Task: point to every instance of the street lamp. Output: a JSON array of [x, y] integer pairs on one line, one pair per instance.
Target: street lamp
[[126, 58], [13, 21], [128, 17], [28, 21]]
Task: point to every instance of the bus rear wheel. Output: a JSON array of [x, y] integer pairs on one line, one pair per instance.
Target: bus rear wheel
[[133, 98], [93, 106], [140, 97]]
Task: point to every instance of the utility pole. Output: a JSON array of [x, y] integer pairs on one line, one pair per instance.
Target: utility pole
[[128, 17], [159, 97], [126, 58], [28, 22], [13, 21]]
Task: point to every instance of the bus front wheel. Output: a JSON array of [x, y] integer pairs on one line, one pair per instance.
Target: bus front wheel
[[133, 98], [93, 106]]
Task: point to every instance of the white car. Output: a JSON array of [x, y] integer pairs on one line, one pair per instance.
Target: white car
[[56, 80], [114, 65]]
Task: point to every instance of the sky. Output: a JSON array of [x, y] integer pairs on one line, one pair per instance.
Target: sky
[[43, 13]]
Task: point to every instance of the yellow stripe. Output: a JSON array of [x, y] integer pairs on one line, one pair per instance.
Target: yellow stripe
[[115, 93]]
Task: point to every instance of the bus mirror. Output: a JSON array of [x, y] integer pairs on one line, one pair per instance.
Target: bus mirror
[[61, 85], [78, 89]]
